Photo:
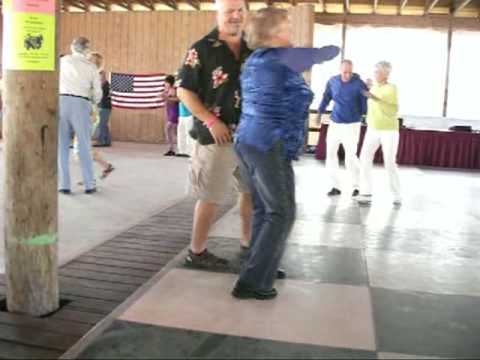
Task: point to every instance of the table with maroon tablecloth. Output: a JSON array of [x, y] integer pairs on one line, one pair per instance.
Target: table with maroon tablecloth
[[449, 149]]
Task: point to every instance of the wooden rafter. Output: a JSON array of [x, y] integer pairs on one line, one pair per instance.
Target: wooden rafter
[[194, 3], [147, 3], [346, 6], [460, 6], [402, 5], [322, 2], [121, 3], [99, 4], [430, 5], [403, 21], [375, 6], [78, 4], [170, 3]]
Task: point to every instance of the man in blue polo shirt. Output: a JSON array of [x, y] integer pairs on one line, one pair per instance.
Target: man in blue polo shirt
[[344, 128]]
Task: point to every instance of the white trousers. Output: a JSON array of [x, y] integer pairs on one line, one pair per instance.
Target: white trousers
[[388, 139], [184, 140], [348, 135]]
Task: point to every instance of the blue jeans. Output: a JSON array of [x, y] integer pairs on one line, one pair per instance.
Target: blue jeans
[[102, 132], [75, 118], [272, 183]]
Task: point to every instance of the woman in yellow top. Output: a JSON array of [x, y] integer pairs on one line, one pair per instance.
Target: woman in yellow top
[[383, 129]]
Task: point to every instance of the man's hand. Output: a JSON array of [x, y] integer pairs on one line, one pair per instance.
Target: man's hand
[[369, 95], [220, 132]]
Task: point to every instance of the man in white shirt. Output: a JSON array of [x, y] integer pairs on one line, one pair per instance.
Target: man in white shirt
[[79, 84]]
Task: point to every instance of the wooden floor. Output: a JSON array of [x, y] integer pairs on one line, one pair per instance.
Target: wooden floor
[[97, 282]]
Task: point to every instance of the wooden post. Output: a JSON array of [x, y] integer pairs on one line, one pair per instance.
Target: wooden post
[[344, 36], [31, 199], [303, 21], [447, 73]]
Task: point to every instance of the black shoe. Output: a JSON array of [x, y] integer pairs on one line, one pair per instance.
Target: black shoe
[[355, 193], [242, 291], [169, 153], [334, 192], [182, 155], [64, 191], [91, 191], [281, 274], [206, 260]]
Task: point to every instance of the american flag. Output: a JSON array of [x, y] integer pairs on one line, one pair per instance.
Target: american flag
[[132, 91]]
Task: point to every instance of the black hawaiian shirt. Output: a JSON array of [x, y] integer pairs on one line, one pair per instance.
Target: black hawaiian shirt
[[212, 71]]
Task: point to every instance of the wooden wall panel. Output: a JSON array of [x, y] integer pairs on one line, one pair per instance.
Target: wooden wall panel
[[138, 42]]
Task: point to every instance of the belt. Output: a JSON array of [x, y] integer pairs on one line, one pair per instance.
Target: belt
[[77, 96]]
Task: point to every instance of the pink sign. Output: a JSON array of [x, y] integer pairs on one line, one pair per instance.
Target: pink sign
[[34, 6]]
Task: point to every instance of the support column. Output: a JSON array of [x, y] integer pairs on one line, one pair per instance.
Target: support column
[[30, 132]]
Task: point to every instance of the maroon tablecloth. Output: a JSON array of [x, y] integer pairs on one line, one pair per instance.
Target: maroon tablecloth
[[451, 149]]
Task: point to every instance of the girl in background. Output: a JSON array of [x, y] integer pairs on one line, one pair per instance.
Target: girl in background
[[171, 112]]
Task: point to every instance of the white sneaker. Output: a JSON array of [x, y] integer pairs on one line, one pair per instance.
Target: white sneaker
[[364, 199]]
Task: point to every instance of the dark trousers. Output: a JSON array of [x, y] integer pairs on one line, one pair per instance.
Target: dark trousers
[[272, 183], [102, 132]]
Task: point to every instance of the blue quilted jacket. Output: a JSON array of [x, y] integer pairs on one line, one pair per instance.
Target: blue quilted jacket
[[275, 97]]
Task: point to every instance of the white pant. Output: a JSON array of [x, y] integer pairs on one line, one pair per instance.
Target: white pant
[[184, 140], [348, 135], [388, 139]]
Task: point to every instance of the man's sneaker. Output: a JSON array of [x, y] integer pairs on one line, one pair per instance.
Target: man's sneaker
[[243, 292], [364, 199], [206, 260], [355, 193], [334, 192]]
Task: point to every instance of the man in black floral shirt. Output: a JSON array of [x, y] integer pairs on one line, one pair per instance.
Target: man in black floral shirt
[[209, 86]]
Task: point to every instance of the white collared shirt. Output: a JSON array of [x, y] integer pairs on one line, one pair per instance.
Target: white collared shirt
[[80, 77]]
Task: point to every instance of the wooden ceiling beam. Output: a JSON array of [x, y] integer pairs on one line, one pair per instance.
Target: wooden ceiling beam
[[77, 4], [147, 3], [322, 2], [170, 3], [460, 6], [430, 5], [434, 21], [123, 4], [375, 6], [194, 3], [99, 4]]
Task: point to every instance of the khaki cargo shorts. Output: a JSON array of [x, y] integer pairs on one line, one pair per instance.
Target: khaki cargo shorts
[[214, 173]]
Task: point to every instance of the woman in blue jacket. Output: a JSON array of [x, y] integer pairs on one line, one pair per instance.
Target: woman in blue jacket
[[275, 102]]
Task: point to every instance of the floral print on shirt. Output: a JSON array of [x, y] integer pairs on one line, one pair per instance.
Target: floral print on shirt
[[219, 77], [192, 59]]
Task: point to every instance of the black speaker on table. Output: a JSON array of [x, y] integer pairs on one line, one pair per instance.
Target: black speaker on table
[[465, 128]]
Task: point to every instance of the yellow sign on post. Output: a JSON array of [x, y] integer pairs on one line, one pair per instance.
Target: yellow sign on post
[[29, 35]]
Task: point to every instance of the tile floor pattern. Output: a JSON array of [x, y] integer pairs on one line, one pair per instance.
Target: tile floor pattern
[[380, 282]]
